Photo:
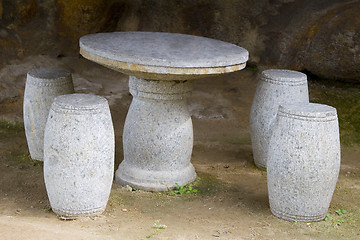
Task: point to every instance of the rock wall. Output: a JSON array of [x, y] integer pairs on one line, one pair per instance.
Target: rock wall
[[320, 36]]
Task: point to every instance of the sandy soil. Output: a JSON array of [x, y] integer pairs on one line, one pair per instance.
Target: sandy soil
[[231, 202]]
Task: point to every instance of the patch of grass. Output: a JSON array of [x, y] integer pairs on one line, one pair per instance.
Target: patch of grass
[[7, 129], [12, 126], [339, 223], [337, 218], [23, 159], [347, 102], [184, 189], [207, 184]]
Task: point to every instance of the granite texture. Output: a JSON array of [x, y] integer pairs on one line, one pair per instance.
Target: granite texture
[[303, 161], [42, 86], [79, 155], [158, 136], [163, 56], [275, 87], [158, 131]]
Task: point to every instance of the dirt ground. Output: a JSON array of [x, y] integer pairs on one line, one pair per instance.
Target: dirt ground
[[231, 202]]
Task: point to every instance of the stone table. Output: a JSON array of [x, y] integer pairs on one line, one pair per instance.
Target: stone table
[[158, 132]]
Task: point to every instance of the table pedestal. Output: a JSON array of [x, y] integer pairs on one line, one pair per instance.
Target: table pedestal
[[158, 136]]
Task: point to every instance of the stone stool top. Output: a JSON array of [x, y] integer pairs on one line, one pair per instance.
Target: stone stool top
[[308, 111], [163, 56], [48, 76], [79, 103], [283, 76]]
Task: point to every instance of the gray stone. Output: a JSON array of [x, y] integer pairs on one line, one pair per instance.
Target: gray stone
[[158, 136], [275, 87], [303, 161], [153, 55], [158, 132], [164, 49], [42, 86], [79, 155]]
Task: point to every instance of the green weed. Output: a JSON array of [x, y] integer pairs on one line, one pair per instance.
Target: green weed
[[184, 189], [341, 212], [157, 227], [336, 221]]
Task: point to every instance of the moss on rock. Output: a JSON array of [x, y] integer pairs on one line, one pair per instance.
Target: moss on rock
[[78, 17], [346, 99]]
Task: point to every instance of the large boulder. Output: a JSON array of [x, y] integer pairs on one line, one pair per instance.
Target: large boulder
[[16, 12], [320, 37], [333, 46], [79, 17]]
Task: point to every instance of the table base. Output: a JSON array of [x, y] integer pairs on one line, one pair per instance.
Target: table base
[[158, 136], [153, 180]]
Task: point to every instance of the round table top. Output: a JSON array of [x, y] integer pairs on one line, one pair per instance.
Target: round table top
[[163, 56]]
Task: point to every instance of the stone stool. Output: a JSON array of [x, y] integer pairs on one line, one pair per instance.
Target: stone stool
[[275, 87], [79, 155], [303, 161], [42, 86]]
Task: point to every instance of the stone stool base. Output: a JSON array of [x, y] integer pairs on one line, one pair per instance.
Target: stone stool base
[[153, 180], [68, 215], [303, 161], [299, 218]]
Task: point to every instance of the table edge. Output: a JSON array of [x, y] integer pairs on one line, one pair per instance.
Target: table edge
[[160, 72]]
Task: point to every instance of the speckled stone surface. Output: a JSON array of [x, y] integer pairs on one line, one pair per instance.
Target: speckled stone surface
[[275, 87], [79, 155], [158, 136], [158, 132], [42, 86], [303, 161], [163, 56]]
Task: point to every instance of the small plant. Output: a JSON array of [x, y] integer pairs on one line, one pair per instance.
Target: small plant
[[341, 212], [336, 221], [157, 227], [328, 218], [184, 189]]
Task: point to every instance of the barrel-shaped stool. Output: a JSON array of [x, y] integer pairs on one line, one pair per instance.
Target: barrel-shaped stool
[[79, 155], [42, 86], [303, 161], [275, 87]]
